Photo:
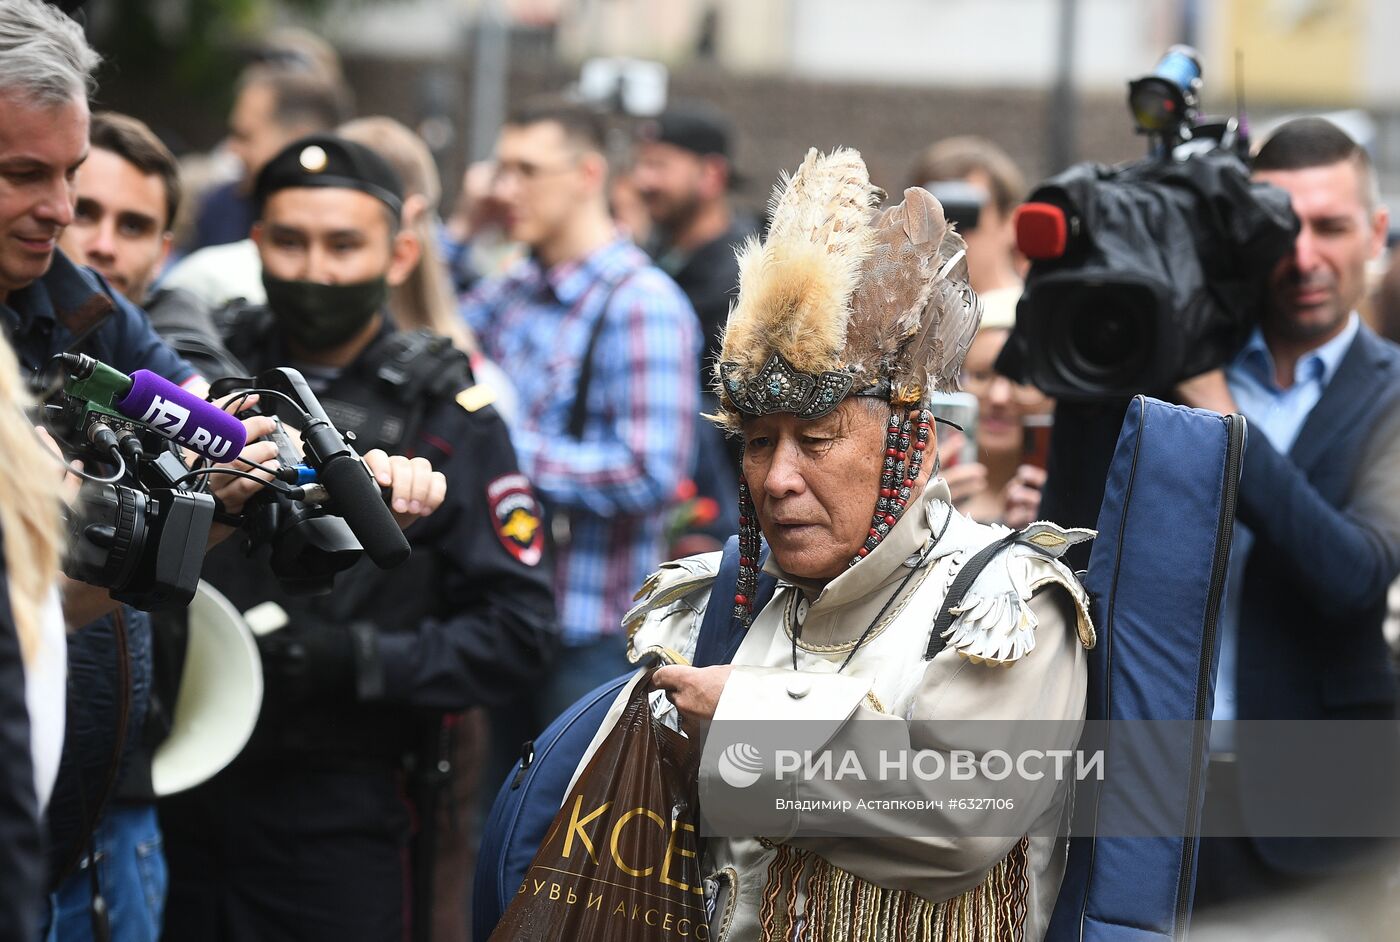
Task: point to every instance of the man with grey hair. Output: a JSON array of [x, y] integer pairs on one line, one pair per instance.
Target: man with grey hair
[[45, 76], [44, 69]]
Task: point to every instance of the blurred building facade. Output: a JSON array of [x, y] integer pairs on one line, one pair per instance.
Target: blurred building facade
[[887, 76]]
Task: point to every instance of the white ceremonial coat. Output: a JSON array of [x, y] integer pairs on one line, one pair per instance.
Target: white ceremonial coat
[[1016, 652]]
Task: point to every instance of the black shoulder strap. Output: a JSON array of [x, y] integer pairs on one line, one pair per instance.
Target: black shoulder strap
[[720, 632], [961, 583], [578, 413]]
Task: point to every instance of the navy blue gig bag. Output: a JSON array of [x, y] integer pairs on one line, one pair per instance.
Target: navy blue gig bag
[[1156, 578]]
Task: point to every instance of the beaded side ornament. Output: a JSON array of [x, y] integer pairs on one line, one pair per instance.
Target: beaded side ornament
[[750, 547], [906, 440]]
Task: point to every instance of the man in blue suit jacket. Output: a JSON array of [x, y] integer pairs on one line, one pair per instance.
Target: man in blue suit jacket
[[1317, 540]]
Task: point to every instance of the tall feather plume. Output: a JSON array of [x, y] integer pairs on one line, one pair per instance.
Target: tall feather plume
[[795, 286], [910, 320]]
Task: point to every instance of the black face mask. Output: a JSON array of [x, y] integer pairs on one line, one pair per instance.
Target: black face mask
[[318, 317]]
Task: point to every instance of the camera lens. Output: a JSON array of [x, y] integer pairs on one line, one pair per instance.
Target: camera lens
[[1104, 340], [1100, 337]]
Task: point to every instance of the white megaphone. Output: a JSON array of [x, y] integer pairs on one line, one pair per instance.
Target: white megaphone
[[221, 691]]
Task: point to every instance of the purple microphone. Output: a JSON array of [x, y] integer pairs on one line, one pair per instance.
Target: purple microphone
[[182, 416]]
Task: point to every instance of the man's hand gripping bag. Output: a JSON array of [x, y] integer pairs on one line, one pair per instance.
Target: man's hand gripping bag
[[1156, 578], [620, 862]]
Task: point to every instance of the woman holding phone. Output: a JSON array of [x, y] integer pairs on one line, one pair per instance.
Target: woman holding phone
[[1012, 432]]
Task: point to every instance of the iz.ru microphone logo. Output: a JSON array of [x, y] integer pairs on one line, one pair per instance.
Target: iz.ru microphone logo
[[166, 417]]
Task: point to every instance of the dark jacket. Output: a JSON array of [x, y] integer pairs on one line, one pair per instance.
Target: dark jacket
[[709, 276], [1326, 523], [47, 316], [186, 323], [21, 869]]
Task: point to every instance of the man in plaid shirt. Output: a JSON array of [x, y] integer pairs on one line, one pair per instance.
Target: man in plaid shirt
[[607, 468]]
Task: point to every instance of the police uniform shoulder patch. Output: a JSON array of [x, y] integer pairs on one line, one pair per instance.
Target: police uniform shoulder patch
[[515, 516]]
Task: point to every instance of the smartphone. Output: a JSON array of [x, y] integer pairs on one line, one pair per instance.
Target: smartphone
[[961, 409], [962, 202], [1037, 429]]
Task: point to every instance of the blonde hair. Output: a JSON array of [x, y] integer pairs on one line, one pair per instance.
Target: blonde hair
[[30, 489], [425, 299]]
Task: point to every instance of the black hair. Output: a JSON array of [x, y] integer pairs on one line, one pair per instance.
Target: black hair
[[300, 99], [138, 145], [581, 123], [1316, 142]]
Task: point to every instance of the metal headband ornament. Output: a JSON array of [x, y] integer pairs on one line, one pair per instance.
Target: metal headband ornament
[[780, 388]]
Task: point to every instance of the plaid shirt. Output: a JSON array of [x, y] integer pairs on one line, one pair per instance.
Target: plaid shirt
[[638, 437]]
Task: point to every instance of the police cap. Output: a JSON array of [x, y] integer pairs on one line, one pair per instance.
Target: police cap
[[328, 160]]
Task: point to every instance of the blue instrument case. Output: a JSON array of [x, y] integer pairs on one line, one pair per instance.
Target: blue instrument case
[[1156, 579]]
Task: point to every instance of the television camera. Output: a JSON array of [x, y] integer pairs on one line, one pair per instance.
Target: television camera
[[142, 528], [1148, 273]]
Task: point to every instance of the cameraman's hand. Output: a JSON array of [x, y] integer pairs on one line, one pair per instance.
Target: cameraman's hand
[[418, 490], [1210, 391], [232, 491]]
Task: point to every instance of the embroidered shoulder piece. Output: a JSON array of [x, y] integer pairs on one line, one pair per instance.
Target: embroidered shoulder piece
[[682, 585], [994, 623]]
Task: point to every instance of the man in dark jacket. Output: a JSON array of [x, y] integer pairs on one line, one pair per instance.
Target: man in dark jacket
[[303, 836], [1317, 541], [683, 173]]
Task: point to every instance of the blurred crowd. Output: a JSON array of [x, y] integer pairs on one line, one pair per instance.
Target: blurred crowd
[[563, 317]]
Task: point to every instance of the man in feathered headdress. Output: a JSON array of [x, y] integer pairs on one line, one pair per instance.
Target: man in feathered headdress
[[848, 319]]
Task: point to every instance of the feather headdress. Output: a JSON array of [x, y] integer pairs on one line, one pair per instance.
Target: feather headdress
[[840, 298]]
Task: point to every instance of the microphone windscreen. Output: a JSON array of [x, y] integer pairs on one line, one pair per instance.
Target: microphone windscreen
[[355, 496], [182, 416], [1042, 232]]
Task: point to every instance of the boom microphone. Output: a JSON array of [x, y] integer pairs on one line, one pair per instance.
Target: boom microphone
[[353, 493], [182, 416], [355, 496]]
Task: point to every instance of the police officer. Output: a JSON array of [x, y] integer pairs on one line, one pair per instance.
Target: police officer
[[303, 837]]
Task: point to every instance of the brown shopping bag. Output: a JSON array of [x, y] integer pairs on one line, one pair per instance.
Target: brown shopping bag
[[621, 861]]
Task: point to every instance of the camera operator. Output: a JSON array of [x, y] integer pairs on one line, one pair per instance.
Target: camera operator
[[49, 304], [303, 836], [1317, 538], [127, 196]]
